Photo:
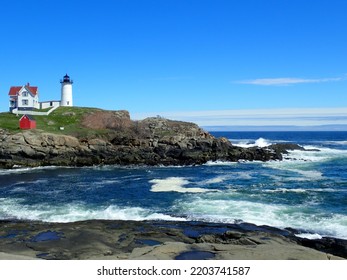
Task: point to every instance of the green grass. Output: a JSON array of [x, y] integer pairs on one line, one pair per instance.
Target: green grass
[[68, 117], [9, 122]]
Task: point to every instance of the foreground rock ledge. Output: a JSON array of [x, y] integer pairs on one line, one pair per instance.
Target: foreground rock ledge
[[158, 240], [153, 141]]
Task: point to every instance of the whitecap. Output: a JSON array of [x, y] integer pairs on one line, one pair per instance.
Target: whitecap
[[224, 209], [16, 209], [113, 212], [261, 142]]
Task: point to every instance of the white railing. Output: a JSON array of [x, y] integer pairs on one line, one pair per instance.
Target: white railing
[[34, 113]]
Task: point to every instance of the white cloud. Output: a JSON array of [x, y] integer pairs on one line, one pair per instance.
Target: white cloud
[[287, 81]]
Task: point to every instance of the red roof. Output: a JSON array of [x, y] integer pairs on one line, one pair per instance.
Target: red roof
[[29, 117], [14, 90]]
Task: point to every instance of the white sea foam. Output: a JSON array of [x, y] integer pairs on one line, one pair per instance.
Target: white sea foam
[[216, 180], [12, 209], [219, 162], [113, 212], [242, 143], [27, 169], [174, 184], [220, 209], [284, 190], [317, 154], [19, 183], [303, 163], [311, 174], [243, 175], [39, 181], [18, 190], [107, 182], [305, 175], [301, 190], [261, 142], [343, 143]]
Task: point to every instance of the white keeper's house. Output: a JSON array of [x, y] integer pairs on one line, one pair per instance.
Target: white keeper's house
[[26, 98]]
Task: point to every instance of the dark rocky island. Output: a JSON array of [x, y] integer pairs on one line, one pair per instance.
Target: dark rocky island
[[111, 137]]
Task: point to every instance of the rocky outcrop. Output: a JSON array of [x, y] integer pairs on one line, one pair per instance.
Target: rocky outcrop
[[153, 141], [107, 120], [156, 240]]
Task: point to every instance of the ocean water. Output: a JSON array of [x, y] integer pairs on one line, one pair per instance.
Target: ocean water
[[306, 191]]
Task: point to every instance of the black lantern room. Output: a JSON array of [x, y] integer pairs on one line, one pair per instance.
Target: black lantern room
[[66, 79]]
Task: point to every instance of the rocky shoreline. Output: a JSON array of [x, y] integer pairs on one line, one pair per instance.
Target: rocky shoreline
[[159, 240], [153, 141]]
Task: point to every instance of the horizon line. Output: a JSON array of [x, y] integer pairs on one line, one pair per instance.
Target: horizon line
[[288, 128], [258, 117]]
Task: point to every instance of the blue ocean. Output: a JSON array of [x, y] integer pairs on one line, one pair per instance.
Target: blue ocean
[[306, 191]]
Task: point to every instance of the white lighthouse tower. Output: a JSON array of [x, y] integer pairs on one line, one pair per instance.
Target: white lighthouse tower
[[66, 91]]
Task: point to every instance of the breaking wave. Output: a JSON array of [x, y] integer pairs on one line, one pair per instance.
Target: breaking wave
[[260, 142], [14, 209], [281, 216]]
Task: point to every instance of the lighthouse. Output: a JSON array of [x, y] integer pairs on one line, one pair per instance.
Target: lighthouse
[[66, 91]]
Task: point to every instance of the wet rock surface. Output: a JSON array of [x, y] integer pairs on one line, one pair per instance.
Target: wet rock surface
[[101, 239]]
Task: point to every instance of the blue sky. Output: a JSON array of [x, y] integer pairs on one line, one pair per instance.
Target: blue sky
[[192, 59]]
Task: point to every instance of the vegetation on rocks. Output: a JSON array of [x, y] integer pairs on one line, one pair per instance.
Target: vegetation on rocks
[[67, 117]]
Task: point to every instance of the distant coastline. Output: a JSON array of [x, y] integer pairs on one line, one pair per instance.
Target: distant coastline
[[341, 127]]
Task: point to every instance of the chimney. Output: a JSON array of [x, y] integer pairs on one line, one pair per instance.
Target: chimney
[[28, 84]]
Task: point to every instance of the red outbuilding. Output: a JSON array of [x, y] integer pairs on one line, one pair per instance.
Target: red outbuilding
[[27, 122]]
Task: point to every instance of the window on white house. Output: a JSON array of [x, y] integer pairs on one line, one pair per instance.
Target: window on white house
[[25, 102], [24, 93]]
